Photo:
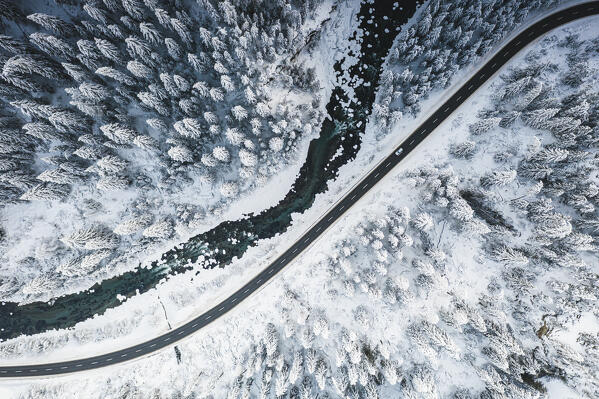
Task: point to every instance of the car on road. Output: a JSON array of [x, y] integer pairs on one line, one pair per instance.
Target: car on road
[[399, 151]]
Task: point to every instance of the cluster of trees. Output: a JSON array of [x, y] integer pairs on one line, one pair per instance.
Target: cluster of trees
[[151, 97], [562, 196], [384, 240], [522, 266], [305, 353], [550, 184], [303, 358], [448, 36]]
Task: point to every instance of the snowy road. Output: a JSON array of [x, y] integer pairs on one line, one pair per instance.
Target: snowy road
[[480, 77]]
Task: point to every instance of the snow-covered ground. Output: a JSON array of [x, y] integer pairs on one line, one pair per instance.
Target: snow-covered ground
[[412, 283]]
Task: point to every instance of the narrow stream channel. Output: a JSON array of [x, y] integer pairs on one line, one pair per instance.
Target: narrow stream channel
[[346, 120]]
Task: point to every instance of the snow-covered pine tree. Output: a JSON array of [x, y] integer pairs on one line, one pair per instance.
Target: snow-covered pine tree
[[93, 237]]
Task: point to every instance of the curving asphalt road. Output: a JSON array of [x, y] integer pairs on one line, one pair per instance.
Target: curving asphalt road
[[509, 50]]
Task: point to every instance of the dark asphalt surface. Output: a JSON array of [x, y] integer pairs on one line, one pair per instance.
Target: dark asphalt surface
[[509, 50]]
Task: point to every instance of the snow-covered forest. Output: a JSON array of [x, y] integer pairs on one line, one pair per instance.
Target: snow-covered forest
[[128, 123], [447, 37], [470, 272], [128, 126]]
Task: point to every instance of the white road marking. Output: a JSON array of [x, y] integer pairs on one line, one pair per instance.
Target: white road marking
[[294, 251], [353, 196], [108, 360], [78, 365], [411, 141], [20, 371], [269, 272], [482, 76], [94, 362], [329, 219], [193, 325], [459, 98], [245, 292], [153, 345], [493, 66], [435, 120], [222, 307], [283, 260], [446, 109], [166, 339], [517, 43], [469, 87], [388, 163], [4, 371], [124, 355], [318, 229], [208, 317], [44, 369], [180, 332], [375, 176], [64, 367], [343, 206], [545, 24], [137, 351]]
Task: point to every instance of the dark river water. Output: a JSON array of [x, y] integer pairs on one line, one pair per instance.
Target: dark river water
[[342, 128]]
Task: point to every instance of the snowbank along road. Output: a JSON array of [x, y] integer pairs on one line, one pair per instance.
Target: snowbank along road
[[509, 50]]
